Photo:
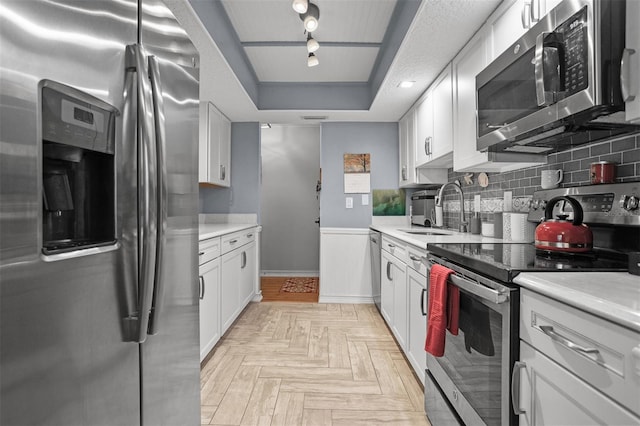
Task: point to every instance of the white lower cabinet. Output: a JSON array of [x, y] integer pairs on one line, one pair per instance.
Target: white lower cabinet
[[393, 294], [551, 395], [417, 322], [403, 286], [228, 277], [575, 368], [209, 301]]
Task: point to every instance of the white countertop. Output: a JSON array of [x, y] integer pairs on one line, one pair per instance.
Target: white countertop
[[420, 240], [212, 230], [611, 295]]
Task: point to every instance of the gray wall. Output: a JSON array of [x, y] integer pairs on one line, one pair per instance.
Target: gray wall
[[378, 139], [244, 194], [290, 170]]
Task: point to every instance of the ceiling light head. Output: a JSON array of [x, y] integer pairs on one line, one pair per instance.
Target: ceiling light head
[[300, 6], [406, 84], [312, 44], [312, 60], [310, 18]]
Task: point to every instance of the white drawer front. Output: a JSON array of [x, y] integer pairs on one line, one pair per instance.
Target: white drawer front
[[395, 247], [208, 250], [237, 239], [417, 259], [600, 352]]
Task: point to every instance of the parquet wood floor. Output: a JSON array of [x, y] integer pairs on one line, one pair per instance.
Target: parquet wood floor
[[287, 364]]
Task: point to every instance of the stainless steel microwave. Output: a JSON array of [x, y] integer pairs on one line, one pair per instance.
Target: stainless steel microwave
[[559, 85]]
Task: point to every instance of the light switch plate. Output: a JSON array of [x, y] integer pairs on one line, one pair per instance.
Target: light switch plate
[[365, 199], [349, 202]]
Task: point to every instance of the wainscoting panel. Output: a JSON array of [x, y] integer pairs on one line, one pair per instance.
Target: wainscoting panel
[[345, 266]]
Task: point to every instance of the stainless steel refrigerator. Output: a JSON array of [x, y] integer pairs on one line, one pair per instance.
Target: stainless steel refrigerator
[[98, 214]]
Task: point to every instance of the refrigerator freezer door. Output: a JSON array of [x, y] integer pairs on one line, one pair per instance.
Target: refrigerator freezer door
[[170, 357], [63, 354]]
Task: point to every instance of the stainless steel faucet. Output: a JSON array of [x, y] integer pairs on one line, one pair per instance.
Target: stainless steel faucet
[[463, 223]]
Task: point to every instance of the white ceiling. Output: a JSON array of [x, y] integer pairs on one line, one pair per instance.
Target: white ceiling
[[350, 33]]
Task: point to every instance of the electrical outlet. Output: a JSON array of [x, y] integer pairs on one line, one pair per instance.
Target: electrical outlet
[[349, 203]]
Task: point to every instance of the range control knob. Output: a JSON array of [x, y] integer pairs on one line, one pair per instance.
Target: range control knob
[[543, 204], [631, 203], [535, 204]]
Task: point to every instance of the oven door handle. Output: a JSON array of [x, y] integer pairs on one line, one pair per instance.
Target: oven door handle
[[479, 290]]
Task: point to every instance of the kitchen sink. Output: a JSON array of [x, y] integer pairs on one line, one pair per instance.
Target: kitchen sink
[[423, 232]]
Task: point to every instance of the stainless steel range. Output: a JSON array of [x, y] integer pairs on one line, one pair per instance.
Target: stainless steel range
[[470, 384]]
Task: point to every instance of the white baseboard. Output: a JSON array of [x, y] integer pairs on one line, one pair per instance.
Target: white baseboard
[[290, 273], [345, 299]]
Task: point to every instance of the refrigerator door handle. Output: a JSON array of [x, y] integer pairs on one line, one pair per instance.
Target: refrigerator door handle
[[147, 193], [160, 150]]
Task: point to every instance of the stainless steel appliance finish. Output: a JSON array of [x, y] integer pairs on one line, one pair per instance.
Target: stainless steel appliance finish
[[473, 376], [423, 206], [558, 86], [375, 246], [105, 334]]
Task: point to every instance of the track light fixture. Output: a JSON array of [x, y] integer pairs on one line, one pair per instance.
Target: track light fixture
[[300, 6], [312, 44], [312, 60], [310, 18]]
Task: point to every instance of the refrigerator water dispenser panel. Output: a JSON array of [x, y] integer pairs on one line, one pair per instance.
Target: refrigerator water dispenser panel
[[78, 170]]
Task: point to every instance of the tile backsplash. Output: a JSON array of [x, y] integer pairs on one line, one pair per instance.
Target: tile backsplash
[[575, 164]]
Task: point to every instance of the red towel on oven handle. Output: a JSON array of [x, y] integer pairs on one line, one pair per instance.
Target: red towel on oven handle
[[444, 307]]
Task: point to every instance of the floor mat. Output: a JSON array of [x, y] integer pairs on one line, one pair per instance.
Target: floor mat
[[300, 285]]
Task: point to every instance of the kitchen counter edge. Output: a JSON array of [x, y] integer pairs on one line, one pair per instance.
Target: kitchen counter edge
[[614, 296], [212, 230], [421, 241]]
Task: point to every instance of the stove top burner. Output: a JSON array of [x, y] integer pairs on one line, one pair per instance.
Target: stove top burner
[[504, 261]]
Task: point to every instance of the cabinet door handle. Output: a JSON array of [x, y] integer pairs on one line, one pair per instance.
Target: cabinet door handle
[[249, 235], [404, 172], [414, 258], [233, 241], [515, 387], [201, 287], [424, 292], [525, 15], [391, 246], [223, 172], [549, 331], [244, 260], [201, 253], [389, 271]]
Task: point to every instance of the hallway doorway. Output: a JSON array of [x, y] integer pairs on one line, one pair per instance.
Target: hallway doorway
[[290, 206]]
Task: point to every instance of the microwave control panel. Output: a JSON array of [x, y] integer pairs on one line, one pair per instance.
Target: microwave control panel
[[575, 43]]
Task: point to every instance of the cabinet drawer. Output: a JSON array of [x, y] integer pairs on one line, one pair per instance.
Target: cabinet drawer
[[601, 353], [208, 250], [417, 259], [395, 247], [237, 239]]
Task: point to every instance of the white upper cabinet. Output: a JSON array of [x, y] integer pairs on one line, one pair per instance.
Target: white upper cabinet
[[510, 21], [215, 146], [424, 137], [406, 129], [631, 63], [434, 141]]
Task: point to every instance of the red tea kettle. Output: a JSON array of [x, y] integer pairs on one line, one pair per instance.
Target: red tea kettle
[[563, 235]]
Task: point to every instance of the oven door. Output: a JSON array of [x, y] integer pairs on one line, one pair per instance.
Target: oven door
[[547, 75], [474, 374]]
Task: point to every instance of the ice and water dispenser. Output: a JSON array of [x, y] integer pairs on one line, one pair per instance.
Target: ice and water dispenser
[[78, 170]]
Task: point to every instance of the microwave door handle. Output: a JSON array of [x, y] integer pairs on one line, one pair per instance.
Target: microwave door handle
[[625, 75], [543, 97]]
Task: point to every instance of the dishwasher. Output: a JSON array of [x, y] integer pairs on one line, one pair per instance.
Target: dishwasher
[[375, 245]]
